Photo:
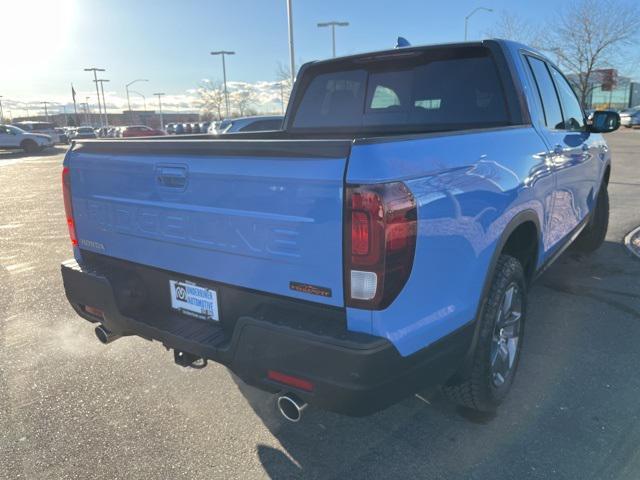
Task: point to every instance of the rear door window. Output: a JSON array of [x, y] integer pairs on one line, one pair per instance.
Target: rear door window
[[573, 116], [548, 94]]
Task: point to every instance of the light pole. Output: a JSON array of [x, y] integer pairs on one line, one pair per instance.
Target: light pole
[[282, 96], [222, 53], [466, 19], [84, 106], [333, 24], [159, 95], [128, 101], [144, 99], [104, 101], [291, 53], [95, 79], [88, 110], [46, 113], [1, 112]]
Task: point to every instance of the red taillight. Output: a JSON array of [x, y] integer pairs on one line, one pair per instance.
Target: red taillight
[[68, 208], [290, 380], [380, 238], [359, 233]]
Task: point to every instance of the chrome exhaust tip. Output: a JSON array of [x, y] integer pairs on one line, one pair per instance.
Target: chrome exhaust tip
[[105, 335], [291, 407]]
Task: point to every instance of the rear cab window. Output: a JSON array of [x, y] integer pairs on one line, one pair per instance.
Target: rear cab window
[[420, 91]]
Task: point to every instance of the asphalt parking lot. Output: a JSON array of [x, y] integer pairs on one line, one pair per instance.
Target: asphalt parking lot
[[73, 408]]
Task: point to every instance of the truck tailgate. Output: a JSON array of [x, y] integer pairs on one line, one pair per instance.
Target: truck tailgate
[[260, 214]]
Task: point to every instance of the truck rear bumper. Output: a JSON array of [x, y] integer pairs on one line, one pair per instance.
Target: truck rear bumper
[[351, 373]]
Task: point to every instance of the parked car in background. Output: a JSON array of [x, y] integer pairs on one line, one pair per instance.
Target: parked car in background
[[44, 128], [204, 127], [84, 133], [170, 128], [382, 242], [247, 124], [218, 127], [141, 131], [62, 135], [630, 117], [178, 129], [12, 137], [187, 128], [195, 128]]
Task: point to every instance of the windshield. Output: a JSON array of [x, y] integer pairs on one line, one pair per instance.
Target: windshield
[[431, 90], [15, 130], [85, 130]]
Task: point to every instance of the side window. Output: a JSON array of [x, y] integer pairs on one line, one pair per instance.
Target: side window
[[548, 95], [254, 126], [573, 116]]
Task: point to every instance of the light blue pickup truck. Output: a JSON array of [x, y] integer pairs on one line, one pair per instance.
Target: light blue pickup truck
[[383, 241]]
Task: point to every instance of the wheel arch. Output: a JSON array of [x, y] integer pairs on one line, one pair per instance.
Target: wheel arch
[[524, 222]]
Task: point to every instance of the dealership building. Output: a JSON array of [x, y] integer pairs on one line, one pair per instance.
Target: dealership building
[[610, 91]]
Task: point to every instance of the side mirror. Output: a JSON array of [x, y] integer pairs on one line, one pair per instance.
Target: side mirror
[[604, 121]]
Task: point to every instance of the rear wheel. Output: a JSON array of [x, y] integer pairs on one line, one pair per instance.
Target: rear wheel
[[593, 235], [29, 146], [497, 353]]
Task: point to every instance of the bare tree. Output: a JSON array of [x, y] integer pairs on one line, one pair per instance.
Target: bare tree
[[283, 75], [243, 99], [211, 99], [589, 35], [510, 26]]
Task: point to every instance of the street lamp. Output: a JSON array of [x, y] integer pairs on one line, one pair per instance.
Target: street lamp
[[222, 53], [159, 95], [466, 19], [333, 24], [128, 101], [95, 79], [1, 112], [144, 99], [46, 113], [104, 101], [292, 62]]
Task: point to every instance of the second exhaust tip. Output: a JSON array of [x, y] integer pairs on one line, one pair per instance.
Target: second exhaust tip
[[291, 407], [104, 335]]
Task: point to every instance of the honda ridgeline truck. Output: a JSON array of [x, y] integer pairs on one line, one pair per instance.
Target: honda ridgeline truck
[[383, 241]]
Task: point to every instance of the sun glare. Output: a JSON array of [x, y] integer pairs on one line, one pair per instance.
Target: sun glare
[[39, 29]]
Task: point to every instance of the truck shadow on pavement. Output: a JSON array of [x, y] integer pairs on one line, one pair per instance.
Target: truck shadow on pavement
[[572, 394]]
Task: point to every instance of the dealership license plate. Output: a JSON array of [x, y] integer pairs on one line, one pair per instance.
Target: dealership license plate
[[190, 299]]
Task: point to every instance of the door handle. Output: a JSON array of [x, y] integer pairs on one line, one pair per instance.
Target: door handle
[[558, 150], [585, 147], [171, 176]]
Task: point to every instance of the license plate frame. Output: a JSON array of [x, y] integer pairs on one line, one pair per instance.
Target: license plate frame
[[194, 300]]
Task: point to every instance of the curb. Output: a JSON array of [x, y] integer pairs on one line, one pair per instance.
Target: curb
[[632, 241]]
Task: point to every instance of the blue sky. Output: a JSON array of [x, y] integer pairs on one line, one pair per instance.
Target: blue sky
[[168, 42]]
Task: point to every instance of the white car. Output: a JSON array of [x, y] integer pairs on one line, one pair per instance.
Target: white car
[[15, 138], [45, 128], [630, 117], [247, 124]]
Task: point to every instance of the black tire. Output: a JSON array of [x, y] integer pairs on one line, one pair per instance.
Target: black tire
[[593, 235], [30, 147], [480, 388]]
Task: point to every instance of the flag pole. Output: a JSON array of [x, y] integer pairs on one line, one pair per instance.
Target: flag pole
[[75, 108]]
